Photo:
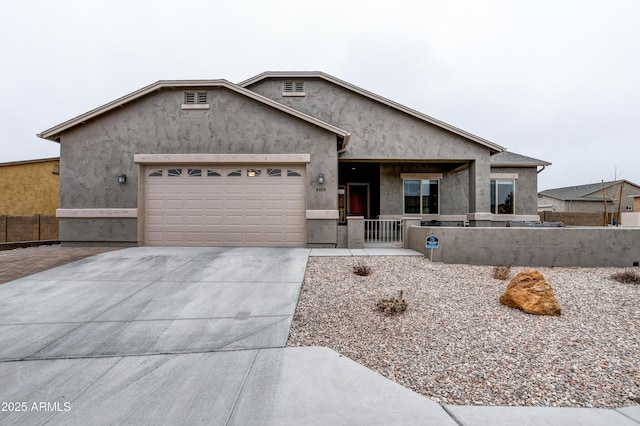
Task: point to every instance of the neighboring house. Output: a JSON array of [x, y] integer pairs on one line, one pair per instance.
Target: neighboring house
[[589, 198], [280, 159], [30, 187]]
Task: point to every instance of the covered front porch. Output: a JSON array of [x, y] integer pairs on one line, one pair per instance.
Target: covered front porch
[[377, 199], [455, 193], [430, 190]]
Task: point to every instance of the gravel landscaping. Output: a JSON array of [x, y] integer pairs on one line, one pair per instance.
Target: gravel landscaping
[[457, 344]]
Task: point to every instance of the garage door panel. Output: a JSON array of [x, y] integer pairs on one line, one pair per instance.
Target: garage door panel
[[173, 220], [234, 204], [155, 190], [274, 220], [225, 206], [253, 205], [155, 205], [292, 238], [292, 221]]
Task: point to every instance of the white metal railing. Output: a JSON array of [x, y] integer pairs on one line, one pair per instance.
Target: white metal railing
[[383, 233]]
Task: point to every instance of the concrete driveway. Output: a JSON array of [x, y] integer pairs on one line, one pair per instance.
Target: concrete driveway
[[153, 300], [180, 336]]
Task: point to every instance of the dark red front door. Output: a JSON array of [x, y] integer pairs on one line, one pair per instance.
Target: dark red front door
[[358, 200]]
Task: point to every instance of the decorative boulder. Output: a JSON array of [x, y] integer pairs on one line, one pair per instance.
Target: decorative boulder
[[530, 292]]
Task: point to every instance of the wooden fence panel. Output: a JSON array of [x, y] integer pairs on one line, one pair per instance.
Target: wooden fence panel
[[28, 228]]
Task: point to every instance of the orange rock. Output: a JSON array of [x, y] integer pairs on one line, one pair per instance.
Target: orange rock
[[531, 292]]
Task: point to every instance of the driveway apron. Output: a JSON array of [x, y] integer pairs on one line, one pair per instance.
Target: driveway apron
[[153, 300]]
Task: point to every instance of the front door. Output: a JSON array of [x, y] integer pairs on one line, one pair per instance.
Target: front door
[[358, 199]]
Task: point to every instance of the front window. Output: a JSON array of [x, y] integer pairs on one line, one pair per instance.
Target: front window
[[421, 196], [502, 196]]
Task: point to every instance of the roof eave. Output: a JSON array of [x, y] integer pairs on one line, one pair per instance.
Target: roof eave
[[53, 134], [521, 164], [318, 74]]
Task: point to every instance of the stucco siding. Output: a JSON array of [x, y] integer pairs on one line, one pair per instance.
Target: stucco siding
[[94, 154], [454, 188], [526, 188], [613, 192], [377, 131], [29, 188]]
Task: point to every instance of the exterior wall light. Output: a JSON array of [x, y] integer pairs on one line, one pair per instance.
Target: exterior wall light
[[122, 178], [320, 178]]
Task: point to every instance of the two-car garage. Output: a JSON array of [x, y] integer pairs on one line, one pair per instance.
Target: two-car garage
[[225, 205]]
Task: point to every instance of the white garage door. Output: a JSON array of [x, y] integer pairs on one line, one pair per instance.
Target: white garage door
[[227, 206]]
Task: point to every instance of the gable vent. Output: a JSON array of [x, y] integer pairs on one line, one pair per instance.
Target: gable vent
[[190, 98], [293, 88], [195, 100]]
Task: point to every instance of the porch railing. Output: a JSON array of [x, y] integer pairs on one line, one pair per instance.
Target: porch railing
[[383, 233]]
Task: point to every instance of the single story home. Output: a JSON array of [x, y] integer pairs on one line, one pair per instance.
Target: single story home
[[281, 159], [590, 197], [30, 187]]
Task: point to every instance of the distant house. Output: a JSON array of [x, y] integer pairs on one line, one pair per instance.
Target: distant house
[[281, 159], [590, 197], [30, 187]]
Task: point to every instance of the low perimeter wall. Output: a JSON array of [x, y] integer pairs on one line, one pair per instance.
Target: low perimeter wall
[[586, 247]]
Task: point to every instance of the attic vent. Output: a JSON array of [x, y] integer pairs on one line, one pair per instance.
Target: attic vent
[[195, 100], [293, 88], [191, 98]]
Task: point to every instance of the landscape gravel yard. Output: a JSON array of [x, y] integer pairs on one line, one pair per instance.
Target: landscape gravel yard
[[457, 344]]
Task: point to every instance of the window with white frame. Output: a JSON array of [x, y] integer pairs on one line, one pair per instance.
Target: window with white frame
[[421, 196], [503, 196]]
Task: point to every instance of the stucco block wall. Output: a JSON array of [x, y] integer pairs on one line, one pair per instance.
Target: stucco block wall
[[29, 188], [586, 247], [94, 154], [576, 218]]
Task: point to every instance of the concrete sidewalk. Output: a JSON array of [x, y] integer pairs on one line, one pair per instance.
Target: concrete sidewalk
[[196, 336]]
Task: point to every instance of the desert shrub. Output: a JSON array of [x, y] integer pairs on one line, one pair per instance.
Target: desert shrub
[[392, 305], [501, 272], [627, 277], [362, 269]]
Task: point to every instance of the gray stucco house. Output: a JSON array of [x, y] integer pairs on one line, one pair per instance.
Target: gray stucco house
[[281, 159], [589, 197]]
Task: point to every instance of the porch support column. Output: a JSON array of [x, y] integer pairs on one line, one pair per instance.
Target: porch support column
[[355, 232], [479, 193], [408, 223]]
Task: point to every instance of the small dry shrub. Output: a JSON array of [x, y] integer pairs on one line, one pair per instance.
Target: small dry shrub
[[501, 272], [362, 270], [392, 305], [627, 277]]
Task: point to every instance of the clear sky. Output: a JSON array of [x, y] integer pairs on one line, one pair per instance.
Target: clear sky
[[556, 80]]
